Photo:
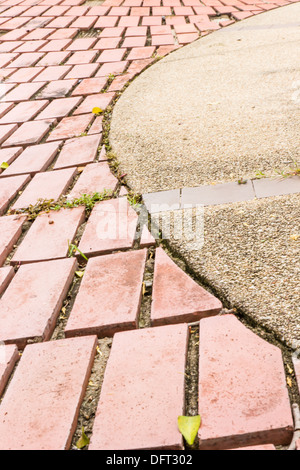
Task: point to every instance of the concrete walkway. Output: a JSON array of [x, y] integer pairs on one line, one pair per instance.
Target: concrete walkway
[[100, 329]]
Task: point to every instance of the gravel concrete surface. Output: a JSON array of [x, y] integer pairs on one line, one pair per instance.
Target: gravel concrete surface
[[250, 256], [223, 108]]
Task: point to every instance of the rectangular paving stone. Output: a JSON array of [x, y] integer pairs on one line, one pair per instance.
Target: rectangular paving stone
[[24, 75], [64, 33], [6, 131], [54, 58], [107, 43], [78, 152], [47, 185], [44, 400], [9, 189], [10, 231], [137, 384], [57, 89], [105, 281], [162, 200], [90, 86], [267, 187], [31, 46], [70, 127], [96, 127], [217, 194], [82, 57], [85, 22], [8, 155], [113, 68], [6, 275], [95, 178], [9, 355], [59, 108], [82, 44], [243, 397], [49, 235], [24, 91], [100, 100], [55, 72], [82, 71], [111, 226], [24, 111], [30, 132], [141, 53], [112, 55], [27, 59], [32, 302], [34, 159], [38, 33]]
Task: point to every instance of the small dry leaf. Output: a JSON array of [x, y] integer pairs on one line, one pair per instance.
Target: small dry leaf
[[289, 382], [295, 237]]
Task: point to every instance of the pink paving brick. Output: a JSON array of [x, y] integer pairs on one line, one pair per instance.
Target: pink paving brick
[[9, 189], [77, 11], [8, 155], [107, 43], [140, 11], [52, 73], [151, 21], [59, 108], [5, 107], [24, 111], [6, 275], [183, 11], [82, 71], [112, 68], [89, 86], [14, 35], [111, 226], [49, 235], [70, 127], [106, 280], [32, 302], [10, 231], [172, 20], [106, 22], [61, 22], [112, 32], [136, 31], [95, 178], [24, 91], [54, 58], [129, 21], [118, 11], [82, 44], [139, 41], [34, 159], [101, 100], [6, 131], [85, 22], [98, 11], [82, 57], [176, 297], [31, 46], [147, 238], [27, 59], [57, 11], [47, 185], [119, 82], [9, 46], [243, 397], [56, 45], [96, 127], [29, 133], [4, 73], [111, 55], [165, 29], [14, 23], [57, 89], [38, 22], [187, 28], [24, 74], [187, 38], [201, 10], [163, 40], [78, 152], [131, 384], [141, 53], [9, 355], [138, 66], [29, 409]]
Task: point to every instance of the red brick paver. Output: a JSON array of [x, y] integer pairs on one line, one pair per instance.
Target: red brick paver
[[32, 301], [243, 396], [176, 297], [10, 231], [132, 391], [9, 355], [45, 395]]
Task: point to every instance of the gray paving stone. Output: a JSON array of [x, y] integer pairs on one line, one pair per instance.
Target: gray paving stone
[[217, 194], [268, 187], [162, 201]]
